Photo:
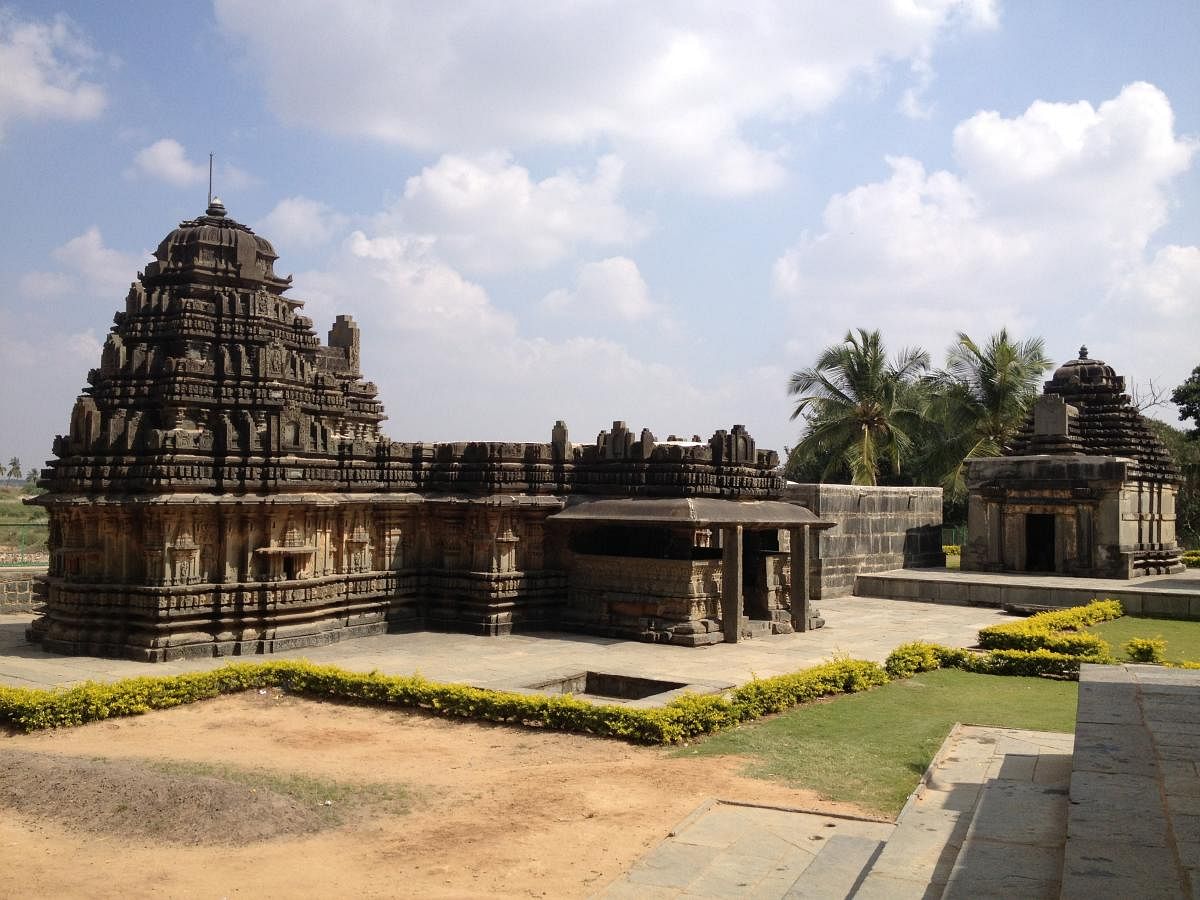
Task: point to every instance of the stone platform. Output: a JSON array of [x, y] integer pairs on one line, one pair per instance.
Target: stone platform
[[1134, 824], [1162, 596], [1110, 813], [862, 628], [987, 820]]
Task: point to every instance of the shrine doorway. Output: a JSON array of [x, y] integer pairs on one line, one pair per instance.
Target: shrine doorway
[[1039, 542]]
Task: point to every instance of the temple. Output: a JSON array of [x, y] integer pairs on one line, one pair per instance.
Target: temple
[[1086, 489], [225, 488]]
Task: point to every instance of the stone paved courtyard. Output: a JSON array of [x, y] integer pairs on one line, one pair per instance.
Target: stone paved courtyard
[[862, 627]]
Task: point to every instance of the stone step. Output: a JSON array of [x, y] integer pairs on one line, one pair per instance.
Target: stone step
[[967, 812], [837, 869], [1014, 844]]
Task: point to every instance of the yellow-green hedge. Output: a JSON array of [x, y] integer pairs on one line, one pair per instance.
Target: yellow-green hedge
[[1057, 631], [919, 656], [687, 716], [1048, 644]]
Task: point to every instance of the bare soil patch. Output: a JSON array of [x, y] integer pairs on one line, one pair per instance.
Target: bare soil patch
[[228, 798]]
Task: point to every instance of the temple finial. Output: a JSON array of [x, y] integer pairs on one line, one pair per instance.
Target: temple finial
[[1083, 352]]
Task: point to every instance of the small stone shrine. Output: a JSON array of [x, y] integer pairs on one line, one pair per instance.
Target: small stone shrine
[[225, 489], [1086, 489]]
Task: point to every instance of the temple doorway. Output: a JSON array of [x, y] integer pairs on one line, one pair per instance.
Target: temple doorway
[[1039, 542]]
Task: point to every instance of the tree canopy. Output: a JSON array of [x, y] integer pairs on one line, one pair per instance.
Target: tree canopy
[[980, 400], [859, 407], [871, 420], [1187, 398]]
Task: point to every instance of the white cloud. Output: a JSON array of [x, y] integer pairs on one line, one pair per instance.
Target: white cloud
[[167, 160], [912, 102], [43, 66], [452, 365], [412, 292], [301, 222], [488, 215], [43, 370], [1045, 229], [609, 289], [101, 270], [45, 285], [676, 87], [1169, 284]]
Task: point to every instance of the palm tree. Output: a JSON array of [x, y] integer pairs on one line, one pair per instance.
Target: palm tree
[[14, 467], [981, 399], [859, 407]]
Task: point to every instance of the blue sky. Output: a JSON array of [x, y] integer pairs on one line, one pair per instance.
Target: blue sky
[[598, 211]]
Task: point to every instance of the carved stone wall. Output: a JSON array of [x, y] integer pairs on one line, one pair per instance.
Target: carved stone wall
[[19, 588], [878, 529]]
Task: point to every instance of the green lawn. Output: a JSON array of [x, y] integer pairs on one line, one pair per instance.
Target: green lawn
[[13, 510], [1183, 638], [872, 748]]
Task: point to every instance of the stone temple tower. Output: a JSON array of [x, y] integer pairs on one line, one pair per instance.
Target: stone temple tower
[[1086, 489], [224, 489], [211, 385]]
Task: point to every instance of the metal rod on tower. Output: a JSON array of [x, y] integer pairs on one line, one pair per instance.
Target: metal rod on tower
[[210, 157]]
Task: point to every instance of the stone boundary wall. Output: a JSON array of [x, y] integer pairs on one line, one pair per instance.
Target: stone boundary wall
[[17, 588], [877, 529]]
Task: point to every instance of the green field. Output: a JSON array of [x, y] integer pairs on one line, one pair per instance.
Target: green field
[[15, 519], [13, 510], [871, 748], [1183, 638]]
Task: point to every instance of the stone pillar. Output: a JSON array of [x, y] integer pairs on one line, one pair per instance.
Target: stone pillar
[[731, 582], [801, 578]]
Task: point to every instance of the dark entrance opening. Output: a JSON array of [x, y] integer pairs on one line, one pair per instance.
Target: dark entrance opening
[[757, 549], [1039, 543]]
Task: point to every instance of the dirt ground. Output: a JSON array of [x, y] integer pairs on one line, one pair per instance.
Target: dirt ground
[[267, 795]]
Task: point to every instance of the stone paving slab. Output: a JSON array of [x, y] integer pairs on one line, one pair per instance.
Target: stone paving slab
[[862, 627], [837, 869], [1012, 838], [735, 850], [1134, 823]]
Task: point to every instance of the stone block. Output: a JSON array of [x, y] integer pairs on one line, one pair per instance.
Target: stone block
[[1104, 868], [990, 869]]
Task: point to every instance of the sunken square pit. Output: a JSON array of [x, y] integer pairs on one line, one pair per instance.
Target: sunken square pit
[[607, 686]]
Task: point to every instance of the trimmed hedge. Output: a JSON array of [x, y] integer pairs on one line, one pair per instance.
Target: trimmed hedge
[[919, 656], [1057, 631], [685, 717], [1043, 645], [1047, 645], [1191, 558]]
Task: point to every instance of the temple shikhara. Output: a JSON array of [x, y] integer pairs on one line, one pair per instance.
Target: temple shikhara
[[225, 488], [1086, 490]]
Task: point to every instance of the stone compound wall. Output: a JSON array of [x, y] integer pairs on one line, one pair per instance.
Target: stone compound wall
[[17, 588], [878, 529]]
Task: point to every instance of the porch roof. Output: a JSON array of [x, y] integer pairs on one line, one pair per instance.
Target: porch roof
[[699, 512]]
